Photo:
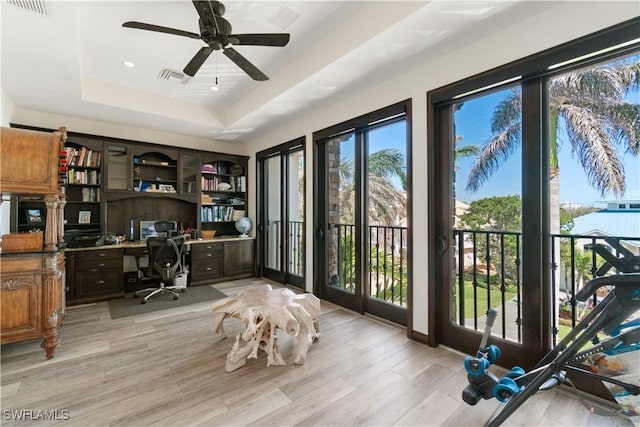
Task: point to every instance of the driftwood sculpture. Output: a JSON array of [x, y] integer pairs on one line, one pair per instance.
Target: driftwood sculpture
[[264, 311]]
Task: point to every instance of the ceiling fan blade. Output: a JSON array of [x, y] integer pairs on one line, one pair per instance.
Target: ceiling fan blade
[[160, 29], [278, 40], [243, 63], [196, 62]]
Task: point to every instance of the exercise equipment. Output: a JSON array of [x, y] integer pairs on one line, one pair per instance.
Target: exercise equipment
[[609, 315]]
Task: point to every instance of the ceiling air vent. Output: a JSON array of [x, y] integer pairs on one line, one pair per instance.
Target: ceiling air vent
[[36, 6], [166, 74]]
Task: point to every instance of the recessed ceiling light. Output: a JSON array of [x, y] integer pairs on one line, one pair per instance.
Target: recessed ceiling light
[[128, 64]]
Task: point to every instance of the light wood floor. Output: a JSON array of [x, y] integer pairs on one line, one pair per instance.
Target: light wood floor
[[167, 369]]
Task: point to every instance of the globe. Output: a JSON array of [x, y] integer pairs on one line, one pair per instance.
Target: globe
[[243, 225]]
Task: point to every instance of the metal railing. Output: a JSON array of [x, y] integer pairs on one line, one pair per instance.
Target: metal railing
[[295, 240], [386, 261], [488, 275]]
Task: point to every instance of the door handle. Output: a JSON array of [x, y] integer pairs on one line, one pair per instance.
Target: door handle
[[443, 244]]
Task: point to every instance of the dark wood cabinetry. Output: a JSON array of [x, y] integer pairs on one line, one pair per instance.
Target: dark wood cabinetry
[[223, 187], [114, 184], [238, 258], [156, 171], [207, 262], [213, 261], [97, 274], [84, 179]]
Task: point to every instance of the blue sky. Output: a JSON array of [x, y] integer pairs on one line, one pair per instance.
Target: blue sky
[[473, 124]]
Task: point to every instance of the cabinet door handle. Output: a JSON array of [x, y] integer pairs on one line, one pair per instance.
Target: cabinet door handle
[[101, 264], [100, 282], [208, 254], [95, 269], [101, 254], [208, 268], [208, 247]]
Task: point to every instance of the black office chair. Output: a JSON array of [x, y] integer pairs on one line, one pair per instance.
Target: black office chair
[[166, 228], [165, 263]]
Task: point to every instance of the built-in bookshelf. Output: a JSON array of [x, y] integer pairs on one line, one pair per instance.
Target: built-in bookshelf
[[155, 172], [84, 162], [223, 186]]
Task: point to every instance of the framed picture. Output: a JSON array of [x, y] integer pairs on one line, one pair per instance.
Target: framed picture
[[34, 216], [84, 217], [147, 229]]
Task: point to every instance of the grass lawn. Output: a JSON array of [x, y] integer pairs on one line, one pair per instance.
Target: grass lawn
[[494, 294]]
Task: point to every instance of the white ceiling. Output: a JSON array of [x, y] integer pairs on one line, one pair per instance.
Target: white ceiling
[[69, 61]]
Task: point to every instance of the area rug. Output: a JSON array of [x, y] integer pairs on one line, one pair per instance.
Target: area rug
[[130, 306]]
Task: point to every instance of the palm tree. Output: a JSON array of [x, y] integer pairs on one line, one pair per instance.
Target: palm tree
[[591, 104], [387, 203], [598, 120]]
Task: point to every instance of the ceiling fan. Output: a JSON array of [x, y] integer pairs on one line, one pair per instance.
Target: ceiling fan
[[215, 31]]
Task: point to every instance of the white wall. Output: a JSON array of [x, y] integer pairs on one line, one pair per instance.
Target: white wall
[[559, 23], [94, 127]]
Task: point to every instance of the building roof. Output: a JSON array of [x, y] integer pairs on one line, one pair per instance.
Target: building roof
[[623, 223]]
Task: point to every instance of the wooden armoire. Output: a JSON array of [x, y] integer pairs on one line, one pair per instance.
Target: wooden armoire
[[32, 293]]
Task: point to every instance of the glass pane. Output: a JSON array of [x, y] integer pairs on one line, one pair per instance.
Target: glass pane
[[387, 213], [594, 181], [117, 178], [295, 230], [188, 173], [274, 218], [487, 223], [341, 256]]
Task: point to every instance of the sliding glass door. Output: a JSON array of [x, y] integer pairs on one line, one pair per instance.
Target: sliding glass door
[[533, 164], [361, 251], [281, 212]]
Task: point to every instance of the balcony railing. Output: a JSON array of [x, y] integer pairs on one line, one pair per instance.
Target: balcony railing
[[295, 237], [387, 261], [488, 275]]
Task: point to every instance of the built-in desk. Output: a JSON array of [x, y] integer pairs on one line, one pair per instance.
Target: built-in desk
[[109, 271]]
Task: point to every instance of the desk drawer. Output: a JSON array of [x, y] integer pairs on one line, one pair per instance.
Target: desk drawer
[[207, 251], [202, 248], [98, 264], [206, 269], [99, 254], [99, 283]]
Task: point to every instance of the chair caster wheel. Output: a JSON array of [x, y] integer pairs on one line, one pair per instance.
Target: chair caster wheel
[[515, 372], [175, 297], [505, 389], [183, 290], [493, 353], [136, 296], [143, 301], [474, 366]]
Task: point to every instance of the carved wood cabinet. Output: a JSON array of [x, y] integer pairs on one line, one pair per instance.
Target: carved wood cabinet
[[32, 292]]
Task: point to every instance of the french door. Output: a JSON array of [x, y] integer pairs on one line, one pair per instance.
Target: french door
[[362, 240], [498, 145], [281, 212], [490, 236]]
